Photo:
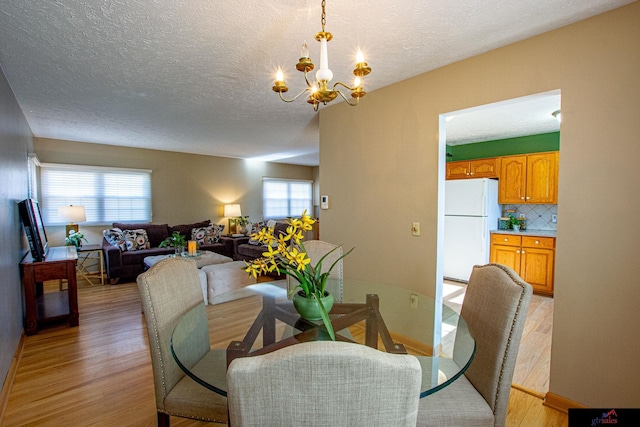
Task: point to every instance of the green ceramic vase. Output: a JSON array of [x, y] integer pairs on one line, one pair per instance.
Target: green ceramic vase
[[308, 308]]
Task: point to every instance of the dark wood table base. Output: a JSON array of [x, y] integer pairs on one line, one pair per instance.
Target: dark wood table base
[[343, 316]]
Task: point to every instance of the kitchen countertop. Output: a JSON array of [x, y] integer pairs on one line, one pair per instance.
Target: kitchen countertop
[[539, 233]]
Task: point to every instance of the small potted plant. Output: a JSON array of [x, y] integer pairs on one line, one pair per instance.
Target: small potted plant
[[514, 222], [287, 255], [75, 238], [241, 224], [176, 241]]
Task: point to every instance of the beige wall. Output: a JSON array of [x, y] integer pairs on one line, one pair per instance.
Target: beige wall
[[185, 187], [380, 166]]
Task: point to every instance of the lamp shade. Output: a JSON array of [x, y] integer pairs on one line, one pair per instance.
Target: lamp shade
[[72, 213], [232, 210]]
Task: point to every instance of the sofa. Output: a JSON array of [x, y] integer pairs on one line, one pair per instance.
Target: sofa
[[247, 249], [125, 246]]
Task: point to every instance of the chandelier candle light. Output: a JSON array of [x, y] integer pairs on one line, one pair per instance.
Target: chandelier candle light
[[319, 91]]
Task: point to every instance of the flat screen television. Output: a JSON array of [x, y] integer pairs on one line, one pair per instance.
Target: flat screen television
[[34, 229]]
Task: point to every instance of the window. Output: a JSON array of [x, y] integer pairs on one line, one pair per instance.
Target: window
[[32, 168], [283, 198], [107, 194]]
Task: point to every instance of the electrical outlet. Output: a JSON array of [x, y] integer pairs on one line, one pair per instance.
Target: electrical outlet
[[522, 216], [554, 218], [415, 229], [413, 300]]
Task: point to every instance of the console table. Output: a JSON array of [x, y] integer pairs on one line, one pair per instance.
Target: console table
[[41, 307]]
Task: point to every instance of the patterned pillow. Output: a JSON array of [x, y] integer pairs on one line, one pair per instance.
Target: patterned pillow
[[207, 235], [115, 237], [136, 239], [255, 227]]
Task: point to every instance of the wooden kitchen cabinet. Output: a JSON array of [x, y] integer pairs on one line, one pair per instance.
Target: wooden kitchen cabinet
[[478, 168], [531, 257], [531, 178]]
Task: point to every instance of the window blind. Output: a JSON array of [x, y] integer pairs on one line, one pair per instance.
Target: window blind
[[283, 198], [107, 194]]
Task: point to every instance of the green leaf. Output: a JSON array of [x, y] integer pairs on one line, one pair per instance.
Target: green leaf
[[325, 317]]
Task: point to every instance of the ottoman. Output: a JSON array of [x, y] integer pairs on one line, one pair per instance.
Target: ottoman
[[205, 258], [226, 277]]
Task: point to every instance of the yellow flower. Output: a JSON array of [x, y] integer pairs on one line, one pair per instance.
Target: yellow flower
[[282, 241], [294, 223], [270, 253], [297, 238], [302, 261], [252, 269], [290, 255], [306, 221]]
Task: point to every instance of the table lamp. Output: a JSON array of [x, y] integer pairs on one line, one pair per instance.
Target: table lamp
[[232, 211], [72, 214]]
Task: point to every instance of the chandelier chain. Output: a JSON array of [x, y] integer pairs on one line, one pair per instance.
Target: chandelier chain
[[324, 16]]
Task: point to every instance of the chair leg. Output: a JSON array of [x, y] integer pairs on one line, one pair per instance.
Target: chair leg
[[163, 419]]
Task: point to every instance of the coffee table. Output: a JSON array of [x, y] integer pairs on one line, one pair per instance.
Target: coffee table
[[373, 313]]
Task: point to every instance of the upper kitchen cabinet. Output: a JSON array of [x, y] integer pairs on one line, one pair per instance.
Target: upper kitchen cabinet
[[531, 178], [478, 168]]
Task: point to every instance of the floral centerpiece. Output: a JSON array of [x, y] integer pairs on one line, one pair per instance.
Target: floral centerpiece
[[286, 254], [75, 238]]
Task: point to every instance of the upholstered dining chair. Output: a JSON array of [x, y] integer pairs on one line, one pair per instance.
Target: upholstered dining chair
[[495, 307], [316, 249], [168, 290], [324, 383]]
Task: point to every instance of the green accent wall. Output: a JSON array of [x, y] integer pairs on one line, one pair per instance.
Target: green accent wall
[[505, 147]]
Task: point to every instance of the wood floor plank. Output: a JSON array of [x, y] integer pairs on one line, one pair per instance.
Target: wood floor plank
[[99, 373]]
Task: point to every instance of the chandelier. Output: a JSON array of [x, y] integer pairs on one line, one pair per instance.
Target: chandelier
[[318, 90]]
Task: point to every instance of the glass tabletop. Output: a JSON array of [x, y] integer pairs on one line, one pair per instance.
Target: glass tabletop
[[259, 318]]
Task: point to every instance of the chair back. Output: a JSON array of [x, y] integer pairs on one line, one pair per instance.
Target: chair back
[[316, 249], [168, 290], [495, 307], [324, 383]]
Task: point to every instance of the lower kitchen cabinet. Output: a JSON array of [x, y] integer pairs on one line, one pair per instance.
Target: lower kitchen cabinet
[[531, 257]]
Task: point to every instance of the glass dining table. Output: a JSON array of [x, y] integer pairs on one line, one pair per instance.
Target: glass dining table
[[259, 319]]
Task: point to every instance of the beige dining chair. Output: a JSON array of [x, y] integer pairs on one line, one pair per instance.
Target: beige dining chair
[[168, 290], [324, 383], [316, 249], [495, 307]]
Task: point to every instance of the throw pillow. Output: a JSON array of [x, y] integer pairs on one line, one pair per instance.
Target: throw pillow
[[136, 239], [115, 237], [186, 229], [207, 235]]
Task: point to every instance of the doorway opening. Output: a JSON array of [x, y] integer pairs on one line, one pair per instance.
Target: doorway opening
[[510, 127]]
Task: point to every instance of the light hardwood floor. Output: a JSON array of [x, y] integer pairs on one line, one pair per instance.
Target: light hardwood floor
[[99, 374]]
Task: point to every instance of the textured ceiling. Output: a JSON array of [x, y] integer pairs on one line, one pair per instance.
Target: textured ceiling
[[195, 76]]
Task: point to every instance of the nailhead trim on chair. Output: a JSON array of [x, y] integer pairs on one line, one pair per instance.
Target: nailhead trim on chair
[[155, 332], [518, 281]]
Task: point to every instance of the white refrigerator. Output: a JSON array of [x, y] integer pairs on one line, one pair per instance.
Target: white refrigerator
[[471, 210]]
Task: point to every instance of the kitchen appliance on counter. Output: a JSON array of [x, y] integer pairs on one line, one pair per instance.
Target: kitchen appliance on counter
[[471, 210]]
